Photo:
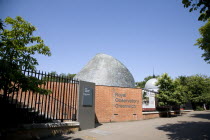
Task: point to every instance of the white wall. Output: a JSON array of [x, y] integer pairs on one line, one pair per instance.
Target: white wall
[[151, 96]]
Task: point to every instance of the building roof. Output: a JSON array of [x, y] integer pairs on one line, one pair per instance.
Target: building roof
[[104, 69], [150, 84]]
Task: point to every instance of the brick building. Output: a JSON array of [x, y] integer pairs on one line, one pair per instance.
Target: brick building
[[116, 98]]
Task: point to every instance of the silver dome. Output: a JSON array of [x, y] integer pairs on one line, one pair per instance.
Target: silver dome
[[106, 70], [150, 84]]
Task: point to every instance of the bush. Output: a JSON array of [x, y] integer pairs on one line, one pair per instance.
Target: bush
[[199, 108]]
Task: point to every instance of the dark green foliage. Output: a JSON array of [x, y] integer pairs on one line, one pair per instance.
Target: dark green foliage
[[169, 94], [140, 84], [196, 89], [181, 88], [1, 25], [204, 42], [202, 5], [199, 89], [17, 47], [199, 108]]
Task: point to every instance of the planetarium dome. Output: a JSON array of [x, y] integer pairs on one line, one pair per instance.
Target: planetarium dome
[[106, 70], [150, 84]]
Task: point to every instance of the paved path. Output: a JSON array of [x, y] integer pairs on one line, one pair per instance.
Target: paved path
[[192, 126]]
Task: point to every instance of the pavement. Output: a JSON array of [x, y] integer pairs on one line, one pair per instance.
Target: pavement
[[194, 125]]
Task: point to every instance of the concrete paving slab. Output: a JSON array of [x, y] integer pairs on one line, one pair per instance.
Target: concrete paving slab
[[191, 126]]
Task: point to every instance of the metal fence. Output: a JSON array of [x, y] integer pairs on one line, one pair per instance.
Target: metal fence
[[61, 104]]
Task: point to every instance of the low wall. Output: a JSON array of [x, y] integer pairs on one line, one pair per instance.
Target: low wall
[[148, 109], [157, 114], [150, 115], [114, 104], [39, 131]]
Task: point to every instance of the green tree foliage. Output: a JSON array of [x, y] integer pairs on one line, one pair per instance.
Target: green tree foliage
[[202, 5], [198, 87], [170, 93], [17, 49], [204, 41], [142, 83], [181, 88], [59, 77], [68, 76]]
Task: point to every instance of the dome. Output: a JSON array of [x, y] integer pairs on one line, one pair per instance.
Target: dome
[[150, 84], [106, 70]]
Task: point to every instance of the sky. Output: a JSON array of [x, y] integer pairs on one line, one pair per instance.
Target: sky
[[141, 34]]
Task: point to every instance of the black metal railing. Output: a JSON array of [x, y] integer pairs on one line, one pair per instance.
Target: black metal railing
[[60, 104]]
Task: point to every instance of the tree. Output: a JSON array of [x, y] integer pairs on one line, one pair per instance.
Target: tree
[[69, 75], [169, 93], [166, 89], [17, 49], [1, 25], [59, 77], [142, 83], [198, 87], [204, 41], [202, 5], [181, 89]]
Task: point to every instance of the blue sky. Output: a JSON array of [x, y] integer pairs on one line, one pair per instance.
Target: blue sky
[[140, 34]]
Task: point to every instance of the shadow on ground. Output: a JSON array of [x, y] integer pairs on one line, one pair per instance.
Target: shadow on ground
[[202, 116], [98, 124], [187, 130]]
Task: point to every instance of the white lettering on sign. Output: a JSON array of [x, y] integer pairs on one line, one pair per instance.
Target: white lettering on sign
[[86, 94], [87, 90]]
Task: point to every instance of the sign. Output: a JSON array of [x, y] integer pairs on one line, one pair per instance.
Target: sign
[[87, 97], [121, 98]]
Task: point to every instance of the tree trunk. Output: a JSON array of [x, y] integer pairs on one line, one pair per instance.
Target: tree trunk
[[204, 106]]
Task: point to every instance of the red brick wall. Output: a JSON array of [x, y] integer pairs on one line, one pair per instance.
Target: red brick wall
[[118, 104]]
